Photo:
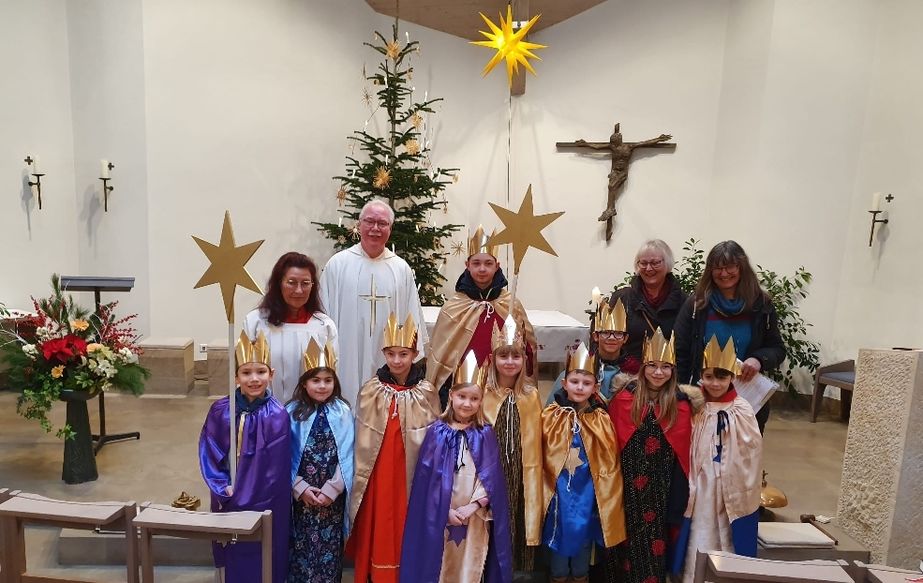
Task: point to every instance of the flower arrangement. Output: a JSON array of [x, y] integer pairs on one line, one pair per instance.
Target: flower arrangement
[[70, 351]]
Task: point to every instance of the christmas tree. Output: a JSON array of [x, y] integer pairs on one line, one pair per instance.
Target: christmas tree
[[397, 168]]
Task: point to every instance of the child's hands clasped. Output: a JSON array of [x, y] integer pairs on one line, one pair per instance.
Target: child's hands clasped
[[459, 516], [314, 497]]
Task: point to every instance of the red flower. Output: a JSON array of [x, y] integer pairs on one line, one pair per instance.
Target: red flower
[[649, 516], [640, 482], [658, 547], [63, 349], [651, 445]]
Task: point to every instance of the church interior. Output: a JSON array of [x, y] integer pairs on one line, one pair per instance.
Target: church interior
[[793, 127]]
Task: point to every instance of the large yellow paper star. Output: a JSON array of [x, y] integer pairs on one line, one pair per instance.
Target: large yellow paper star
[[227, 267], [509, 45], [573, 460], [523, 229]]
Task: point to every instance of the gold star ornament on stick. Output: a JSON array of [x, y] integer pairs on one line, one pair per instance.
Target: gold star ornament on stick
[[509, 45], [523, 229], [227, 267]]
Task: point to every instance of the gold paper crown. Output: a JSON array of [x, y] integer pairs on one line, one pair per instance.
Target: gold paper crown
[[400, 336], [657, 349], [716, 357], [613, 318], [315, 357], [581, 359], [477, 243], [469, 372], [509, 335], [247, 351]]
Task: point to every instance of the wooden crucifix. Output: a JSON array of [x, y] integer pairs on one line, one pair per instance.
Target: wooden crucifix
[[621, 157]]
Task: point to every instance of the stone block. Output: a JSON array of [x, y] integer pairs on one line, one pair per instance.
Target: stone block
[[171, 362], [881, 501], [218, 368]]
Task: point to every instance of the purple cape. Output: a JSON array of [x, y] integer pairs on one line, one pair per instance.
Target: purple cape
[[431, 494], [263, 483]]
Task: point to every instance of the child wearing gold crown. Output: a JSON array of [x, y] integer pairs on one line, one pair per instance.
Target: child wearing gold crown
[[724, 477], [609, 335], [512, 405], [394, 409], [322, 469], [582, 473], [468, 319], [653, 422], [263, 481], [457, 527]]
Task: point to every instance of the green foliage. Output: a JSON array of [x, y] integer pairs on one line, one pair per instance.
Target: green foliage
[[414, 189], [786, 293]]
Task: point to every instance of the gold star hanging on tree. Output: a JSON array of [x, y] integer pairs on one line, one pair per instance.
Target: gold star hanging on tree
[[382, 178], [367, 97], [523, 229], [412, 146], [509, 45], [458, 248], [393, 50], [416, 120], [227, 267], [341, 195]]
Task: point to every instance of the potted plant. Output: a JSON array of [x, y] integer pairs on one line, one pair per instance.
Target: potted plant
[[66, 353]]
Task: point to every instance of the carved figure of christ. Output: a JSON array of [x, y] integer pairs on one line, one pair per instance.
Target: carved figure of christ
[[621, 153]]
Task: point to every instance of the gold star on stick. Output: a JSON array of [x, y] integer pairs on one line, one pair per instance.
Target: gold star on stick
[[227, 267], [523, 229], [573, 460]]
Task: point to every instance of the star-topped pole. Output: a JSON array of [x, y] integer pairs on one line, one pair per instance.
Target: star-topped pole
[[228, 269], [509, 44], [523, 229]]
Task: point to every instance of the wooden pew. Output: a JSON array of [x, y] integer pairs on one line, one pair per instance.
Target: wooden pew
[[22, 509], [219, 526]]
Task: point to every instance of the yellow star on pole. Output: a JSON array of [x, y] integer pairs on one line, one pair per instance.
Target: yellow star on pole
[[509, 45], [523, 229], [573, 460], [227, 267]]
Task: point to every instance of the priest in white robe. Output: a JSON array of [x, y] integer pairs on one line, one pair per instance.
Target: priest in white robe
[[360, 287]]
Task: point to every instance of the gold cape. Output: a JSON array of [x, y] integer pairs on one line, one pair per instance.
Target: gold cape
[[417, 407], [455, 326], [602, 454], [530, 435]]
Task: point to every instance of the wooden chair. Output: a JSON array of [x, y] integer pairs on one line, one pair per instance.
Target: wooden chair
[[22, 509], [220, 526], [722, 567], [841, 375], [882, 574]]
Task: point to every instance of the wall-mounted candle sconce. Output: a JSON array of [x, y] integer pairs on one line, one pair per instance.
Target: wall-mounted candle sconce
[[876, 210], [33, 162], [104, 167]]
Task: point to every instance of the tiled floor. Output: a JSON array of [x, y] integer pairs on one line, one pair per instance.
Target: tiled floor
[[802, 458]]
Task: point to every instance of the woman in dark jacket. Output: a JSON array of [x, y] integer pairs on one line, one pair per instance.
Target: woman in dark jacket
[[652, 300], [728, 302]]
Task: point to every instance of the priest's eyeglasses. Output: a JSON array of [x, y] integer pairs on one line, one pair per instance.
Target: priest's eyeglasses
[[370, 223], [293, 284]]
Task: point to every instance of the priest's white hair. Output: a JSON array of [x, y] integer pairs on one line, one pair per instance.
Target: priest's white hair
[[379, 203]]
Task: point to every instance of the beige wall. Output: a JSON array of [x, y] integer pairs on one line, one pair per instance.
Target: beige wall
[[787, 116]]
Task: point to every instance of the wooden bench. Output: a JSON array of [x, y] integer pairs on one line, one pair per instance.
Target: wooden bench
[[219, 526], [722, 567], [22, 509], [841, 375]]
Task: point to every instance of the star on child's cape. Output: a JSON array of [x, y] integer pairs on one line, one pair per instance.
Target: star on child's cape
[[523, 229], [509, 45], [457, 534], [573, 460], [228, 263]]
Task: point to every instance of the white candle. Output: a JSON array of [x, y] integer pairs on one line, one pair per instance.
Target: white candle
[[407, 34], [597, 296], [341, 221], [876, 201], [104, 169], [35, 169], [425, 95]]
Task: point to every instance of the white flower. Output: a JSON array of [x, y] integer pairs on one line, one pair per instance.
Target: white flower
[[128, 356], [105, 368], [30, 350]]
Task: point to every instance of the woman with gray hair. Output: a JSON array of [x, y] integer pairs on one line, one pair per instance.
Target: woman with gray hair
[[652, 300]]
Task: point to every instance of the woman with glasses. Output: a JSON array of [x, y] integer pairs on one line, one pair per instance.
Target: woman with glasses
[[653, 424], [652, 300], [728, 302], [290, 314]]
